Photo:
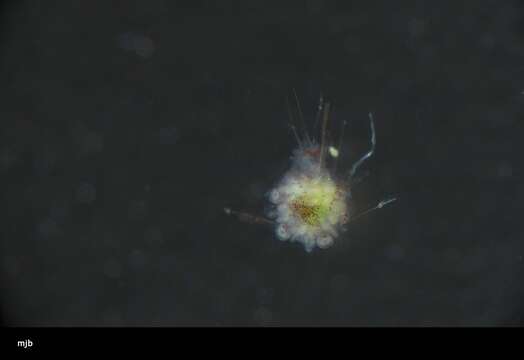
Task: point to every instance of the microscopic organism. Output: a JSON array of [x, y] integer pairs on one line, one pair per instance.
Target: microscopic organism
[[311, 203]]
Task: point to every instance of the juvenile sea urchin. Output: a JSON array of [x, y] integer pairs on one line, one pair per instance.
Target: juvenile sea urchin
[[310, 204]]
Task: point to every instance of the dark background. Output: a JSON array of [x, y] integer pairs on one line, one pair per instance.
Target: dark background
[[127, 126]]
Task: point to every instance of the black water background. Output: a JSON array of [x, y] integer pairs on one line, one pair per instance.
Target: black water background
[[128, 126]]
